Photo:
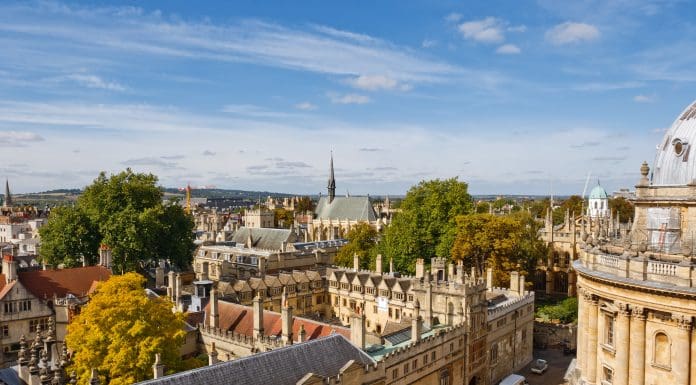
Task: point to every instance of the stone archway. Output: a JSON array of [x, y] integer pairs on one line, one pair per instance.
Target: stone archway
[[560, 282], [540, 280]]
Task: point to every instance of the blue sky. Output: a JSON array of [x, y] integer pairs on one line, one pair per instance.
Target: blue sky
[[512, 97]]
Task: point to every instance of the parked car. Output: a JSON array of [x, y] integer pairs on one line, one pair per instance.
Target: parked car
[[540, 366], [514, 379]]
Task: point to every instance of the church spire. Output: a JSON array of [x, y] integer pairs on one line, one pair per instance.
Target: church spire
[[7, 202], [332, 181]]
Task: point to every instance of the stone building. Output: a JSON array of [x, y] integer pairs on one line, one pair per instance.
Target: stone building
[[335, 215], [637, 293]]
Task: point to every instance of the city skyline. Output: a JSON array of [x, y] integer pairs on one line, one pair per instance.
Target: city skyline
[[525, 98]]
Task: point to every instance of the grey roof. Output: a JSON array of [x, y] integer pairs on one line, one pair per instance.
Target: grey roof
[[352, 208], [10, 376], [264, 238], [323, 356]]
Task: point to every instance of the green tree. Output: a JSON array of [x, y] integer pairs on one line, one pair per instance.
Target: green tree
[[503, 243], [284, 217], [483, 207], [623, 208], [121, 329], [125, 212], [362, 241], [422, 228], [305, 204], [574, 204], [69, 237]]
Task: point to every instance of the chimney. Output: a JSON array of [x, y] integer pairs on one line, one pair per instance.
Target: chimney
[[9, 268], [158, 367], [521, 291], [416, 323], [378, 264], [391, 266], [178, 287], [171, 285], [489, 278], [159, 276], [420, 268], [214, 311], [262, 266], [357, 330], [258, 316], [302, 334], [514, 281], [356, 262], [286, 320], [213, 356], [451, 272]]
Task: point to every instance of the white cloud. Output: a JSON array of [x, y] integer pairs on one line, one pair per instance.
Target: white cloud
[[208, 153], [85, 33], [94, 81], [349, 98], [488, 30], [428, 43], [570, 32], [607, 86], [18, 138], [644, 98], [508, 49], [377, 82], [453, 17], [518, 28], [305, 106]]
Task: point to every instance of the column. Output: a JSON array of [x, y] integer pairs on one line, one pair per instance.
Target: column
[[591, 347], [680, 349], [581, 335], [636, 363], [693, 356], [622, 344]]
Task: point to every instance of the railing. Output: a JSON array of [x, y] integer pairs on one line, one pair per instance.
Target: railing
[[608, 260], [661, 268]]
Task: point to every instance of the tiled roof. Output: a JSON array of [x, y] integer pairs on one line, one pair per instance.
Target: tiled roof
[[78, 281], [240, 319], [285, 366], [266, 239], [351, 208]]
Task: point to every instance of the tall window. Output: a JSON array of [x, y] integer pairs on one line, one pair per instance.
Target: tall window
[[607, 375], [609, 328], [445, 377]]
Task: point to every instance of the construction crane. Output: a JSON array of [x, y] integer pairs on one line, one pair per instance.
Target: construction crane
[[587, 182]]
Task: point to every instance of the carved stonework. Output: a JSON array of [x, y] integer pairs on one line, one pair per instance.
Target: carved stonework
[[638, 312], [623, 309], [682, 321]]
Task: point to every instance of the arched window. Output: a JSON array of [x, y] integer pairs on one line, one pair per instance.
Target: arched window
[[662, 353], [595, 205]]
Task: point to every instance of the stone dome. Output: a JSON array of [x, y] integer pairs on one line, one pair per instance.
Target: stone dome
[[674, 163], [598, 193]]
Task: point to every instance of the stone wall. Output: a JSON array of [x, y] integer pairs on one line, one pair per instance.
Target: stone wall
[[552, 335]]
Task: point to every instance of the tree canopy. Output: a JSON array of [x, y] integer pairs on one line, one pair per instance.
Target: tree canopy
[[121, 329], [124, 212], [505, 243], [362, 240], [422, 228], [623, 208]]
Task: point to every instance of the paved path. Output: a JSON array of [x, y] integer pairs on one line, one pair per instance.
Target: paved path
[[558, 363]]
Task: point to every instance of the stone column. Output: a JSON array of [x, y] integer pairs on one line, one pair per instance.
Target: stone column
[[621, 345], [581, 336], [681, 347], [693, 356], [636, 364], [591, 347]]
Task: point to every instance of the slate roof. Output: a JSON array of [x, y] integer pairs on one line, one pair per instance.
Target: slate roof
[[352, 208], [78, 281], [324, 357], [264, 238], [240, 319]]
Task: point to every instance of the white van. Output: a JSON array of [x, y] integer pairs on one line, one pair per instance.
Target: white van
[[514, 379]]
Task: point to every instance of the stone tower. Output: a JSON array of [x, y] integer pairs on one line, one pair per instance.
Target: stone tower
[[7, 202]]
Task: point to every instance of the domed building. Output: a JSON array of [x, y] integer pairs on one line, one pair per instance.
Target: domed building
[[598, 204], [637, 291]]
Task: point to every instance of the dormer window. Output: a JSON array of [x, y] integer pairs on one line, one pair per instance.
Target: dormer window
[[679, 146]]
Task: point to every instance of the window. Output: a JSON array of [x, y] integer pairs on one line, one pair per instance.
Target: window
[[425, 359], [433, 355], [10, 307], [609, 330], [494, 353], [662, 350], [43, 322], [444, 377], [451, 347], [5, 330], [374, 309], [607, 375], [415, 363], [406, 367], [395, 373]]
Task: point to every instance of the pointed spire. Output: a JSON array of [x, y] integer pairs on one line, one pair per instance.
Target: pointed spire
[[332, 181], [7, 202]]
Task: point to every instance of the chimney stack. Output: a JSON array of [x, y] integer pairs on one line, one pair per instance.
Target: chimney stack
[[420, 268], [158, 367], [489, 278], [213, 356], [356, 262], [416, 323], [357, 330], [378, 264], [515, 281], [214, 311], [258, 316], [9, 268], [286, 319]]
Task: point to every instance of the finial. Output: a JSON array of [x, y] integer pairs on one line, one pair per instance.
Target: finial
[[644, 170]]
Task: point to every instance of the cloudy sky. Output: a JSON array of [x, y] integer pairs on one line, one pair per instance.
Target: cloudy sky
[[513, 97]]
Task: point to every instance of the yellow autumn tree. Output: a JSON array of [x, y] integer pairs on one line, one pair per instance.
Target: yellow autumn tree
[[121, 329]]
